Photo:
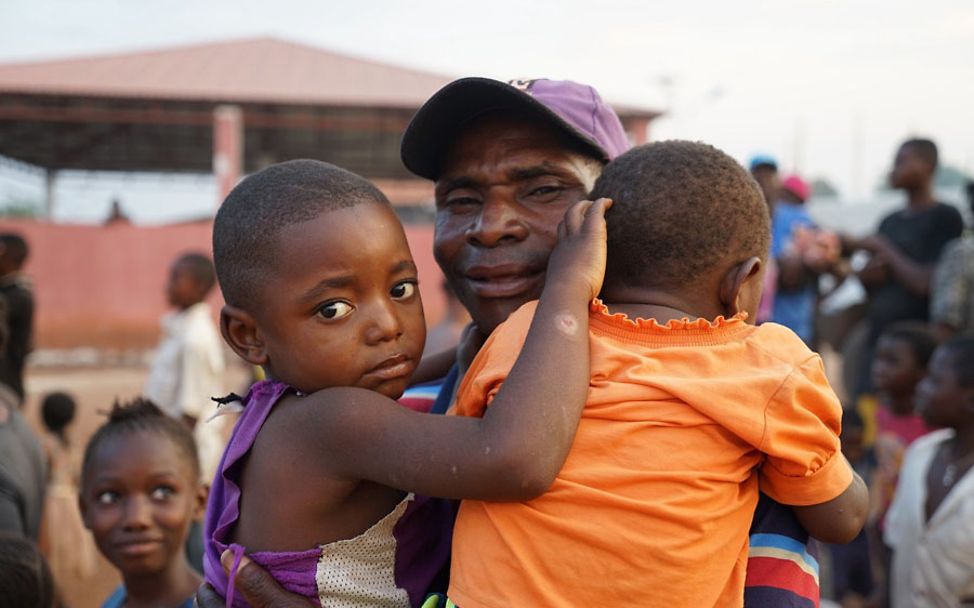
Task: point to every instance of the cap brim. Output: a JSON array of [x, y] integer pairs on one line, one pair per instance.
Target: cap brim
[[438, 123]]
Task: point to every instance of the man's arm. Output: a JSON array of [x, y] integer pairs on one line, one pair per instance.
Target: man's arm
[[255, 585]]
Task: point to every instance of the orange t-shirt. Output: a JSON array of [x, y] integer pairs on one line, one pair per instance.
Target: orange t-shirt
[[654, 502]]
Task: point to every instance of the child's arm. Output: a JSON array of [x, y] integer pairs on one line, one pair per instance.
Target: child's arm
[[804, 466], [839, 520], [517, 448]]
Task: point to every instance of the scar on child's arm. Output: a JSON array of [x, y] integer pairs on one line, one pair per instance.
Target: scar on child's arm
[[566, 323]]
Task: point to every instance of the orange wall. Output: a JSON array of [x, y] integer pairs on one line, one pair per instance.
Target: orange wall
[[102, 286]]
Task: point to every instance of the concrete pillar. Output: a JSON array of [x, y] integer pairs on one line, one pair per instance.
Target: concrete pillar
[[228, 146]]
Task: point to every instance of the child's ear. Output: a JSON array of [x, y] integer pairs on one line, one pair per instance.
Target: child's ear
[[740, 289], [199, 506], [239, 329]]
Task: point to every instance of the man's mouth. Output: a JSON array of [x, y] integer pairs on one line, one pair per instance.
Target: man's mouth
[[502, 281]]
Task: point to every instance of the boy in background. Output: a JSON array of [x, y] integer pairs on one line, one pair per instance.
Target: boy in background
[[906, 247], [188, 368]]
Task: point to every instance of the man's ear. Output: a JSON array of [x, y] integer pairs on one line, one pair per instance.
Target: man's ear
[[737, 283], [239, 329]]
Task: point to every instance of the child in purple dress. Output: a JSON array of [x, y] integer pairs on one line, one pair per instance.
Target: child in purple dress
[[316, 484]]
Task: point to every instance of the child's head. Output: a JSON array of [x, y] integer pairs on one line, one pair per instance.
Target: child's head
[[321, 288], [13, 252], [900, 360], [764, 169], [914, 165], [794, 190], [25, 579], [686, 219], [945, 397], [141, 489], [57, 412], [191, 278]]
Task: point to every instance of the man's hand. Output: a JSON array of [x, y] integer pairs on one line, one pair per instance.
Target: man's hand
[[255, 585], [579, 256]]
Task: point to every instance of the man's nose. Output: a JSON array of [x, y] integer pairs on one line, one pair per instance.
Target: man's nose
[[501, 220]]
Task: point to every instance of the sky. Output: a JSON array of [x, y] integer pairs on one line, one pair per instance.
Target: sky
[[830, 88]]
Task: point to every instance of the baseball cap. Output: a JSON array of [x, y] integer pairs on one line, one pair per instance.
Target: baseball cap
[[797, 186], [575, 109], [763, 160]]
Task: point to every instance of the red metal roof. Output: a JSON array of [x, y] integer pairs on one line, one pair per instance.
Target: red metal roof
[[250, 70]]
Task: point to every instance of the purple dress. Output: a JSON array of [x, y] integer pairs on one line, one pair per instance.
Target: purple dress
[[396, 562]]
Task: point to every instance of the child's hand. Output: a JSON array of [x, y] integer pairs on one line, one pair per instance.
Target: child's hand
[[579, 257]]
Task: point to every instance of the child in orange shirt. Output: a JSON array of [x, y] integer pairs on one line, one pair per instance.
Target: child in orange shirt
[[690, 408]]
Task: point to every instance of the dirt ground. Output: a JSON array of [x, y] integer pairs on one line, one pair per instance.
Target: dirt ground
[[94, 389]]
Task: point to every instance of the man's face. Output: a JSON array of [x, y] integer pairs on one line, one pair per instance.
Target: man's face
[[504, 187], [767, 178], [909, 168]]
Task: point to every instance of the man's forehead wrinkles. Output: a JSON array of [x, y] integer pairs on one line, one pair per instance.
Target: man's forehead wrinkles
[[515, 172]]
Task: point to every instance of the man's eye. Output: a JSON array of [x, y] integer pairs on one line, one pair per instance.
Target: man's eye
[[107, 497], [545, 190], [162, 492], [404, 290], [335, 310], [460, 202]]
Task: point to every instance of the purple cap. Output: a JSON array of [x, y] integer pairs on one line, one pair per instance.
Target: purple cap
[[573, 108]]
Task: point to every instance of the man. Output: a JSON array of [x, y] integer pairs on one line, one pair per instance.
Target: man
[[508, 160], [16, 291], [801, 252]]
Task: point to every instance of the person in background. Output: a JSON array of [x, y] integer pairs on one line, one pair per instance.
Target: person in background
[[900, 362], [64, 540], [801, 252], [905, 248], [25, 578], [764, 170], [23, 467], [930, 525], [952, 293], [15, 289], [852, 569], [188, 369], [901, 357], [140, 491]]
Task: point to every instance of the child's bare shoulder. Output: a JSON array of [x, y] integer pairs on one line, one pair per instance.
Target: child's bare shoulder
[[310, 424]]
